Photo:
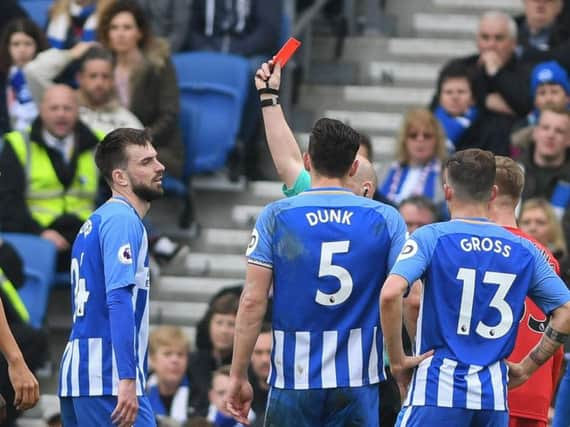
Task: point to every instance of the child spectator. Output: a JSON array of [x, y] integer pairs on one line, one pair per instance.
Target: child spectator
[[456, 110], [259, 371], [549, 86], [169, 389], [217, 413], [21, 41], [215, 352]]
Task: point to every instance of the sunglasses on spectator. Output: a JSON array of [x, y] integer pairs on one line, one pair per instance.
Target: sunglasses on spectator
[[416, 135]]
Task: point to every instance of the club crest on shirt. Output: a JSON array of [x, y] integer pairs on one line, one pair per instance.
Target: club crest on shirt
[[409, 250], [125, 256], [252, 242]]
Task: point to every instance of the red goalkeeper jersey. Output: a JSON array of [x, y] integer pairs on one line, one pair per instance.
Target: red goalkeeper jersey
[[532, 399]]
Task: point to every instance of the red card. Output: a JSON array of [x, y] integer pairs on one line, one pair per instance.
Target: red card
[[286, 52]]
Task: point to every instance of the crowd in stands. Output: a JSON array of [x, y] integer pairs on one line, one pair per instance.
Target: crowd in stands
[[104, 64]]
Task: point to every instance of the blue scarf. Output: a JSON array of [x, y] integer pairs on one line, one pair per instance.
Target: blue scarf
[[455, 126], [58, 27], [179, 406], [23, 110], [19, 85], [221, 420], [397, 175]]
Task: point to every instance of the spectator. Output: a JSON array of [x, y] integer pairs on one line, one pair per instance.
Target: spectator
[[72, 21], [539, 27], [497, 77], [420, 151], [169, 19], [418, 211], [246, 28], [144, 72], [547, 161], [32, 342], [99, 107], [49, 179], [259, 373], [217, 412], [168, 387], [538, 219], [216, 352], [456, 110], [249, 29], [549, 86], [21, 40]]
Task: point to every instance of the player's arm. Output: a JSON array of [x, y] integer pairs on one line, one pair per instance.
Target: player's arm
[[549, 292], [555, 335], [411, 307], [26, 387], [252, 307], [283, 147], [122, 323], [120, 243]]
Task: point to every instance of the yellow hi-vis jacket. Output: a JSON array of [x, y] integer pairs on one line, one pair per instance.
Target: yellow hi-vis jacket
[[46, 196], [12, 295]]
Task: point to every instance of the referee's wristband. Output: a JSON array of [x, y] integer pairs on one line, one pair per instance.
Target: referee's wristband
[[270, 102]]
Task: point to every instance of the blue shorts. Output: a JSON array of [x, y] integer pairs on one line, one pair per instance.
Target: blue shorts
[[333, 407], [425, 416], [95, 411]]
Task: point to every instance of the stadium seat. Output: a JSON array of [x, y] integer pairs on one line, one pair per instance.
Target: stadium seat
[[38, 257], [38, 11], [213, 90]]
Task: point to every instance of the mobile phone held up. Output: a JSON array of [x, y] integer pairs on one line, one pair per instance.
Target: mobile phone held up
[[286, 52]]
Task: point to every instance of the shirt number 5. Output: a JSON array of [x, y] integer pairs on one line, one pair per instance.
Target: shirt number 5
[[327, 268]]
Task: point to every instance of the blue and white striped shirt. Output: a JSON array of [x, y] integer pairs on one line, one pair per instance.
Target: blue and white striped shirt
[[476, 277], [330, 251], [109, 252]]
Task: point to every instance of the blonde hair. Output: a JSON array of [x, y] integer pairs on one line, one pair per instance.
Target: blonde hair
[[420, 117], [556, 240], [61, 7], [167, 335]]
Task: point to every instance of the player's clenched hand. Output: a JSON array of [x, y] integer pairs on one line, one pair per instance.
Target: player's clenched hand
[[403, 370], [26, 387], [240, 396], [127, 408], [268, 73], [517, 374]]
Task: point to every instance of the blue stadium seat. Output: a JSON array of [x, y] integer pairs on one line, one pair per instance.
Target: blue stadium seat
[[213, 90], [37, 10], [38, 257]]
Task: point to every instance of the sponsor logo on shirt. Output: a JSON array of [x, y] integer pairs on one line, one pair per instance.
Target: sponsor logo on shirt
[[252, 242], [125, 255], [409, 250], [86, 228]]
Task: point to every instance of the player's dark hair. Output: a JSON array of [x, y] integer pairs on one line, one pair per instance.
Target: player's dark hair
[[421, 202], [111, 153], [96, 53], [509, 178], [471, 173], [332, 147]]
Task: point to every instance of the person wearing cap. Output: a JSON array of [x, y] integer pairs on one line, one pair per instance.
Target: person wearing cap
[[549, 85]]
